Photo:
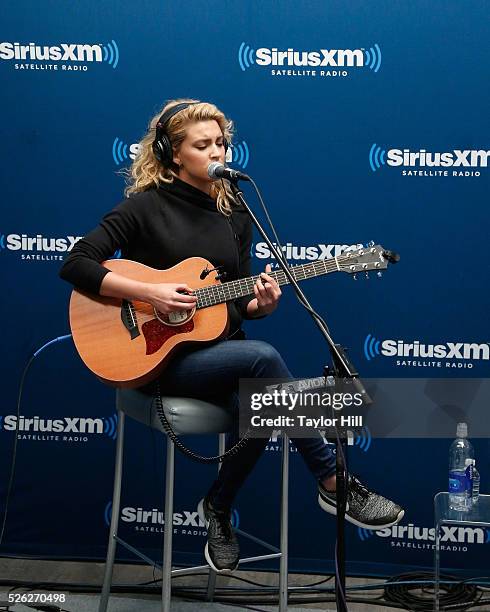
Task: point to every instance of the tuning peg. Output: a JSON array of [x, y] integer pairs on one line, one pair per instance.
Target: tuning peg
[[354, 276], [367, 274], [371, 243], [379, 274]]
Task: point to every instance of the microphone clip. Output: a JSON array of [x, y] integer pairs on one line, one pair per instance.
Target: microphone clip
[[221, 274]]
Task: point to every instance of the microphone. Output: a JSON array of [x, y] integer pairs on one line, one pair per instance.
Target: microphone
[[217, 171]]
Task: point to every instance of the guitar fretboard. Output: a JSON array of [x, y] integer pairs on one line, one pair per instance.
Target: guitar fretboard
[[232, 290]]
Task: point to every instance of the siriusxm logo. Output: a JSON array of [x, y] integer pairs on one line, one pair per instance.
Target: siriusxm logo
[[65, 425], [450, 350], [140, 516], [362, 439], [318, 251], [122, 152], [448, 535], [461, 351], [76, 55], [38, 247], [320, 58], [238, 154], [23, 242], [468, 158]]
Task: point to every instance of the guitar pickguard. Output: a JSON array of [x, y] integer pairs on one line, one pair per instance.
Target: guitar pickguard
[[156, 333]]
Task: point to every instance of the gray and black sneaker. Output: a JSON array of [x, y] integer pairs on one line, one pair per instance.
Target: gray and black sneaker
[[364, 508], [222, 551]]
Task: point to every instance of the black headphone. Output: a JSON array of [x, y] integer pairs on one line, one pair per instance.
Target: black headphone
[[162, 147]]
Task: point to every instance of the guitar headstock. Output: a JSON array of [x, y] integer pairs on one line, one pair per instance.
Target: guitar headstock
[[366, 259]]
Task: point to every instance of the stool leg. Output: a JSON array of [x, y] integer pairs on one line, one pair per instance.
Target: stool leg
[[212, 574], [283, 567], [116, 502], [168, 527]]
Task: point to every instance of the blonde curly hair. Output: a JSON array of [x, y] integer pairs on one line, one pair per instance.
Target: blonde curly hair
[[146, 171]]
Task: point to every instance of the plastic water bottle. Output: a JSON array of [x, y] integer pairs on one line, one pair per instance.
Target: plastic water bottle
[[461, 457]]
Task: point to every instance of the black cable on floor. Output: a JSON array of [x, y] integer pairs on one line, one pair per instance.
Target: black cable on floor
[[454, 594], [47, 585], [259, 584]]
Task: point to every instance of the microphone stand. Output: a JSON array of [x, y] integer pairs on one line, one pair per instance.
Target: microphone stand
[[342, 369]]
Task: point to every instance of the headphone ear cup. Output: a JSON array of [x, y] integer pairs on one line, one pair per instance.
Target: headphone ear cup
[[162, 149], [157, 150], [167, 152]]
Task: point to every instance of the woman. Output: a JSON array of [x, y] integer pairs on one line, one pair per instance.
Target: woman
[[174, 211]]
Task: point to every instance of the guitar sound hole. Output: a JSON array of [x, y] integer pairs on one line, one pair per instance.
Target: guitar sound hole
[[173, 319]]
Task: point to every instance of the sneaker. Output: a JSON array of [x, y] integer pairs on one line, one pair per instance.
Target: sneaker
[[364, 508], [222, 551]]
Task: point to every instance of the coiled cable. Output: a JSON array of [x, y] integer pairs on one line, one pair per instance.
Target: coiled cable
[[454, 594], [167, 427]]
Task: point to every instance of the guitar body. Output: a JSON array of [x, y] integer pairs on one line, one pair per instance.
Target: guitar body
[[126, 344]]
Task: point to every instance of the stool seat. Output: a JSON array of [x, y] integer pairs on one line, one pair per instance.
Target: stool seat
[[185, 415]]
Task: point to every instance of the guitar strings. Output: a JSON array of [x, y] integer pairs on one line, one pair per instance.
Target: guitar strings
[[300, 272], [211, 295]]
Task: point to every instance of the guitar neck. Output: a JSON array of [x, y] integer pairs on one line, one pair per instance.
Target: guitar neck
[[232, 290]]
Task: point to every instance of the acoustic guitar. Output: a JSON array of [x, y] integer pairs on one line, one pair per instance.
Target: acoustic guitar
[[127, 343]]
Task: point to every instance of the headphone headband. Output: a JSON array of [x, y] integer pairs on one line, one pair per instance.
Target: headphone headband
[[167, 115]]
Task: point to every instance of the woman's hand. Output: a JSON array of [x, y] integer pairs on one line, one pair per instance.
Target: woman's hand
[[164, 297], [267, 294], [171, 297]]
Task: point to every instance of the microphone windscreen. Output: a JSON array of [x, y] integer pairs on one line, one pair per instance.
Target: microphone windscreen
[[215, 170]]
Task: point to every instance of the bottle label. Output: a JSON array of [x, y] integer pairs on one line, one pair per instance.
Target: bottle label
[[459, 482]]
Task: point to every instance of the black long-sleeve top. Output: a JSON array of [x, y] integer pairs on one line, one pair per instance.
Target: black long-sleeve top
[[160, 228]]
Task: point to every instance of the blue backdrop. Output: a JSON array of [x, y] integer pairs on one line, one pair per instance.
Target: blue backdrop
[[359, 121]]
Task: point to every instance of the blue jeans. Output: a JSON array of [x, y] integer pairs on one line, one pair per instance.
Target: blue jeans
[[212, 373]]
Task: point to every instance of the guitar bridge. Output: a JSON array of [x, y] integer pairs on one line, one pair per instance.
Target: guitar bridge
[[128, 317]]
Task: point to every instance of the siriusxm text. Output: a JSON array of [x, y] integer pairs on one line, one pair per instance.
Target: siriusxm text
[[449, 533], [155, 516], [63, 52], [423, 158], [450, 350], [292, 251], [17, 242], [322, 57], [64, 425]]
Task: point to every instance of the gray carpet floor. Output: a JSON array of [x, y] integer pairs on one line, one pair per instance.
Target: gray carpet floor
[[79, 603], [92, 573]]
